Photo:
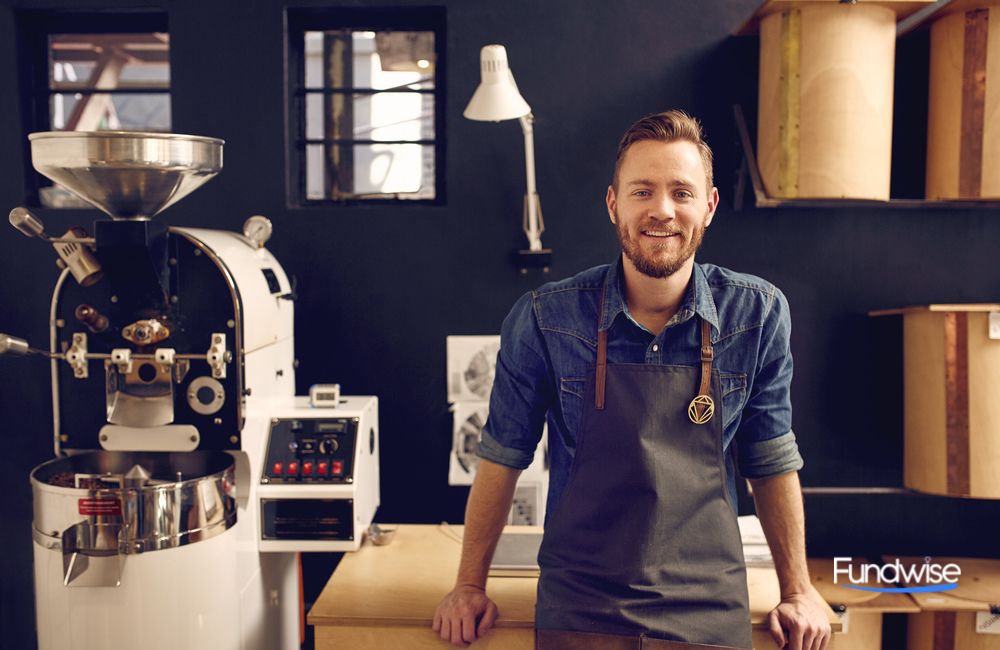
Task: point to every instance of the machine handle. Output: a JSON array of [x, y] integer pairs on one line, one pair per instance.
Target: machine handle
[[27, 223], [13, 345]]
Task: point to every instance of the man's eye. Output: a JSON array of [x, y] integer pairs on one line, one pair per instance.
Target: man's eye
[[684, 194], [641, 193]]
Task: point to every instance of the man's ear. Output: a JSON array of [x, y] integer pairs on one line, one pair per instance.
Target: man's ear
[[612, 203], [713, 204]]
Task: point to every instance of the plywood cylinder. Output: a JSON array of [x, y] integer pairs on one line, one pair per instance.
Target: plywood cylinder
[[947, 631], [951, 410], [824, 125], [963, 121]]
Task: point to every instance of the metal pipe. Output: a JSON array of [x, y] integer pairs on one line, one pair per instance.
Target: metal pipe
[[533, 224], [54, 361]]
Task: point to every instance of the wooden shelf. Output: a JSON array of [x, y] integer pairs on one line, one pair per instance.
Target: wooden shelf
[[749, 168]]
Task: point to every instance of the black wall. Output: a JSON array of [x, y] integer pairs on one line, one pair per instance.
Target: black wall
[[381, 287]]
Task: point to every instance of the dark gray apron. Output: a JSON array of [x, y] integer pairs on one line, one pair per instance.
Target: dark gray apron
[[644, 541]]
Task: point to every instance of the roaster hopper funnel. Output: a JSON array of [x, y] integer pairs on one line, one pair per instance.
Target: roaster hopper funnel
[[127, 175]]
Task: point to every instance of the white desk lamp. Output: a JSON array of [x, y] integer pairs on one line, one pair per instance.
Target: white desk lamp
[[497, 98]]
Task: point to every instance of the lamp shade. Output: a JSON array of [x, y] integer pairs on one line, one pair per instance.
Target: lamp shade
[[497, 97]]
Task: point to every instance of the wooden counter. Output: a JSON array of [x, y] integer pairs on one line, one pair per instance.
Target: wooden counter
[[385, 596]]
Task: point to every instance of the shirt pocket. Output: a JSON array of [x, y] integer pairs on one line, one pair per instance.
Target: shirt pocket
[[734, 394], [571, 403]]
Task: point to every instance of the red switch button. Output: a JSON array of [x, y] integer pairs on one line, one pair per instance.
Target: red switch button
[[323, 468], [307, 469], [293, 468], [338, 467], [277, 469]]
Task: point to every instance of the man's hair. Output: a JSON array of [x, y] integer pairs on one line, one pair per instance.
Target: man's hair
[[668, 126]]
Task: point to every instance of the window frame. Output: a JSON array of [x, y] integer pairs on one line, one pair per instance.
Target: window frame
[[34, 27], [298, 21]]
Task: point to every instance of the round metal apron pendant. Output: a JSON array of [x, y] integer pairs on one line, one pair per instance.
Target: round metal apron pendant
[[701, 409]]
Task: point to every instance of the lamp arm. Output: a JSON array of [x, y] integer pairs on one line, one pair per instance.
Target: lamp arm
[[533, 225]]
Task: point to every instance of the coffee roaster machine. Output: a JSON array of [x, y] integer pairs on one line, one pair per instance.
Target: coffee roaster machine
[[187, 475]]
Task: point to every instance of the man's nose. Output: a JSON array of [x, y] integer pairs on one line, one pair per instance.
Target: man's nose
[[663, 209]]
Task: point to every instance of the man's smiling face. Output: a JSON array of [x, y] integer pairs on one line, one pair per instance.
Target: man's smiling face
[[661, 205]]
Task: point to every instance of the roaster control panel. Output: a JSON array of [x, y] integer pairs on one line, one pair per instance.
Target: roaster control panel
[[311, 450]]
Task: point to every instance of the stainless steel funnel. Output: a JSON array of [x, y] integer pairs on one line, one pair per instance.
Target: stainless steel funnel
[[127, 175]]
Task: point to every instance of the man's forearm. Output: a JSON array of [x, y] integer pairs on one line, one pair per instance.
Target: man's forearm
[[485, 516], [779, 507]]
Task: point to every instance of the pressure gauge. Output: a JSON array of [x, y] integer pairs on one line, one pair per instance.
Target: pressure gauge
[[258, 230]]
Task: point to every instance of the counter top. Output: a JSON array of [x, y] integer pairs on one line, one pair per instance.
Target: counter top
[[395, 588]]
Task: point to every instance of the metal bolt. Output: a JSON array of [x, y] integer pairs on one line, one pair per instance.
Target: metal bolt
[[247, 391], [197, 252], [104, 438], [114, 298], [173, 300], [230, 323], [217, 421], [265, 480], [60, 322], [173, 261], [194, 438], [233, 439], [274, 420], [63, 437], [217, 338]]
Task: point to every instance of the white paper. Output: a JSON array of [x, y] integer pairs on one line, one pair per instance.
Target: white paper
[[987, 623], [756, 552], [467, 429], [751, 532], [471, 364]]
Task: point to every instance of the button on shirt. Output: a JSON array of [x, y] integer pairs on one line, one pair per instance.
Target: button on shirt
[[548, 349]]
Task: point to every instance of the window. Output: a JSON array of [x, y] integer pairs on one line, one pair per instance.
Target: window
[[91, 72], [115, 82], [366, 103]]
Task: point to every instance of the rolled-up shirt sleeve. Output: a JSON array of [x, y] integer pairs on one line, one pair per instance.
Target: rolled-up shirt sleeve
[[523, 390], [765, 441]]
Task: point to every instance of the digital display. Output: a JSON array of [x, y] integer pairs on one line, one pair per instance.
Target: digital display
[[335, 426]]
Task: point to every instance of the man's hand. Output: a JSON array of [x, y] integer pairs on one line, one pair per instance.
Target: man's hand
[[455, 619], [801, 622]]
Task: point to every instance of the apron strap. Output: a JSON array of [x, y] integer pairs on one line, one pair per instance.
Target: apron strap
[[707, 353], [602, 369], [702, 407]]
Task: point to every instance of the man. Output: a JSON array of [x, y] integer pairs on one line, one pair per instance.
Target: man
[[646, 370]]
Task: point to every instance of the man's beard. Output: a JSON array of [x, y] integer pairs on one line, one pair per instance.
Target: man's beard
[[656, 266]]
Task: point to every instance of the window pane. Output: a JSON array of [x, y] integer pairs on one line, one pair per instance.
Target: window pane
[[110, 111], [82, 62], [347, 58], [343, 171], [378, 116], [109, 61]]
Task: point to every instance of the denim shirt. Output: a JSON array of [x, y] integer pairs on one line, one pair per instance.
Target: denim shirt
[[548, 349]]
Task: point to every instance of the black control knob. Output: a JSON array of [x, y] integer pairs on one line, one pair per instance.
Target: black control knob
[[328, 446]]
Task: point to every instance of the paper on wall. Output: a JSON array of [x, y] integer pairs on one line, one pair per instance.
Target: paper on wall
[[471, 364]]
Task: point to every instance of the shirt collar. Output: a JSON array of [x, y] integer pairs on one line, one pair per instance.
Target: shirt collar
[[697, 298]]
